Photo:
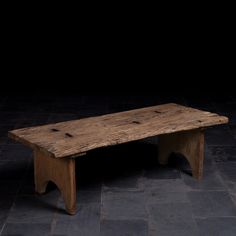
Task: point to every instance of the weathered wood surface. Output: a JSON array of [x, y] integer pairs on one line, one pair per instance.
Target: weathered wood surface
[[76, 137]]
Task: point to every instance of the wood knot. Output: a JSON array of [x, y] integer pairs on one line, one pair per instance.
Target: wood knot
[[54, 130], [68, 135]]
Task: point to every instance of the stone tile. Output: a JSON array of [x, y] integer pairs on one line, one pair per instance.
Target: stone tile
[[162, 172], [2, 224], [123, 205], [233, 196], [171, 219], [212, 203], [87, 183], [174, 227], [128, 181], [20, 229], [211, 181], [209, 162], [227, 170], [6, 202], [154, 196], [124, 227], [84, 198], [220, 226], [164, 190], [58, 235], [223, 153], [231, 186], [163, 211], [34, 209], [87, 197], [85, 222], [165, 185]]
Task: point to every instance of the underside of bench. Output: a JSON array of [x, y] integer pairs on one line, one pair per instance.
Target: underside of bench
[[180, 129]]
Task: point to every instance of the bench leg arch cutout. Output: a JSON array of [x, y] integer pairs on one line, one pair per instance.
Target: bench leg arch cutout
[[188, 143], [59, 171]]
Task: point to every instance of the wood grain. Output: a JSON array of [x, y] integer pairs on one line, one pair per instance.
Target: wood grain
[[59, 171], [74, 138], [189, 143]]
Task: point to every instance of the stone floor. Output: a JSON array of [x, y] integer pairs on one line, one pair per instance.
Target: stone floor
[[121, 190]]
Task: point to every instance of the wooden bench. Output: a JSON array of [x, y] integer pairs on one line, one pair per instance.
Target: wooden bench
[[55, 146]]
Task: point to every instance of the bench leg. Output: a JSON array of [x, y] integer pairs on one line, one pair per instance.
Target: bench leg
[[59, 171], [188, 143]]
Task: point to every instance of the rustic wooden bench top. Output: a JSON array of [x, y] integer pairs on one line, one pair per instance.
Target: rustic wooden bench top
[[76, 137]]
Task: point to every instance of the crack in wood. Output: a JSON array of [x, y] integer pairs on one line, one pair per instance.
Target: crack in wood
[[55, 130], [68, 135], [136, 122]]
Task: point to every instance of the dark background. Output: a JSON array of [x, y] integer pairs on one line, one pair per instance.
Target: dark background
[[172, 57], [68, 68]]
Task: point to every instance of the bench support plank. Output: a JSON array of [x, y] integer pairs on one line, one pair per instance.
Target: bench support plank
[[188, 143], [59, 171]]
